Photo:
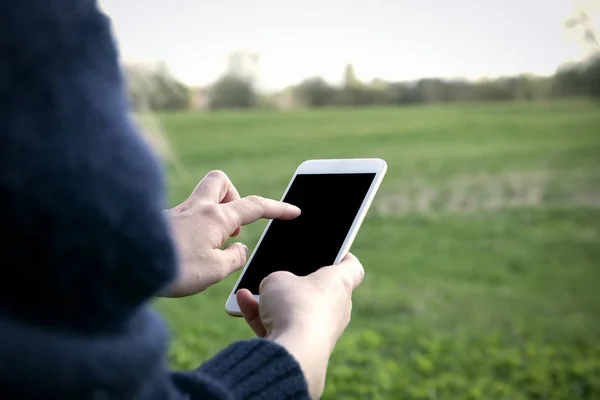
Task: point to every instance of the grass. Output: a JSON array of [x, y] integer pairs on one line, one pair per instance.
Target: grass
[[482, 249]]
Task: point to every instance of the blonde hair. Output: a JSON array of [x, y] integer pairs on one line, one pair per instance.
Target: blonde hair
[[150, 126], [153, 132]]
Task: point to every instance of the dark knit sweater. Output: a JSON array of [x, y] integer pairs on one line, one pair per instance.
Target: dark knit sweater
[[85, 244]]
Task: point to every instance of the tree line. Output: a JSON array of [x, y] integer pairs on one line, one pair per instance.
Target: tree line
[[156, 89]]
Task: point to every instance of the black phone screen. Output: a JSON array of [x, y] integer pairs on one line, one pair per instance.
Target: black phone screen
[[329, 204]]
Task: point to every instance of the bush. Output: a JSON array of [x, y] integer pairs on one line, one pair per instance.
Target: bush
[[408, 364], [414, 364]]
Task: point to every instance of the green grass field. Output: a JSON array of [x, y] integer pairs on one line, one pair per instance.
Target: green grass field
[[481, 251]]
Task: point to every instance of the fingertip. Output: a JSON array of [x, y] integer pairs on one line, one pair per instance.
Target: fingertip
[[355, 267], [242, 293], [250, 311], [247, 303], [349, 257], [291, 211]]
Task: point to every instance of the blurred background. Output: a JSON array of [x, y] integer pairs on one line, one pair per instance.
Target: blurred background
[[482, 248]]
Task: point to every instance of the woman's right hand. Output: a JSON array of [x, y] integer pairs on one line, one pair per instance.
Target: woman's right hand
[[306, 315]]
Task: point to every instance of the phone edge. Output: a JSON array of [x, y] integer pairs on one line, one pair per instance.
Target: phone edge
[[353, 231], [236, 312]]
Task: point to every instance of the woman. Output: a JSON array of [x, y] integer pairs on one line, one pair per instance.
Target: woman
[[87, 244]]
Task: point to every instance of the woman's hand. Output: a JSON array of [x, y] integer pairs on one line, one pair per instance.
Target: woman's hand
[[306, 315], [213, 213]]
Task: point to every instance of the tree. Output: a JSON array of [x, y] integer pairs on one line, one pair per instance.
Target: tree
[[235, 89], [350, 79], [243, 65], [592, 76], [588, 78], [154, 88], [569, 81], [232, 92], [315, 92]]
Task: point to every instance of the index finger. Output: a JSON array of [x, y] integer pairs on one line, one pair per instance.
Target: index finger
[[252, 208]]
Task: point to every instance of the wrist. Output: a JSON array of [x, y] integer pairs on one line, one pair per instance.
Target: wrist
[[311, 350]]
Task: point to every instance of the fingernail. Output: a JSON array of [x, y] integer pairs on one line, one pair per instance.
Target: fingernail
[[245, 249]]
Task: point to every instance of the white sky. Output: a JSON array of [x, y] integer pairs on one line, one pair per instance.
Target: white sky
[[390, 39]]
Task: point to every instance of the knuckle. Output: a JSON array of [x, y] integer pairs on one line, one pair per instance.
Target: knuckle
[[213, 212], [347, 283], [280, 275], [241, 255], [276, 277], [217, 174], [256, 200]]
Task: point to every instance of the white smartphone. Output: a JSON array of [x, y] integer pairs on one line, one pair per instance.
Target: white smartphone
[[334, 196]]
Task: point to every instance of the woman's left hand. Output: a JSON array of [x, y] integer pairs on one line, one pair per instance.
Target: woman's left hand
[[201, 225]]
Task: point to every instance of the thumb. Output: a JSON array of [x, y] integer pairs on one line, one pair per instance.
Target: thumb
[[349, 270], [249, 309], [352, 271]]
